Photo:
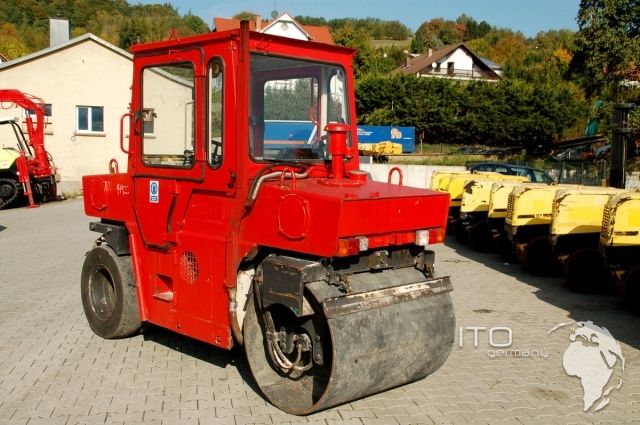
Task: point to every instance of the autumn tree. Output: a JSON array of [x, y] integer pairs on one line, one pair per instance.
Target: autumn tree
[[509, 51], [113, 20], [437, 33], [11, 44], [246, 16]]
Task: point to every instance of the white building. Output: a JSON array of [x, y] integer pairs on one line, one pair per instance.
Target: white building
[[86, 84], [283, 25], [456, 61]]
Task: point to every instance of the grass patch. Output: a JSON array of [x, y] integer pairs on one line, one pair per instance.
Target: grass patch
[[398, 44], [440, 159]]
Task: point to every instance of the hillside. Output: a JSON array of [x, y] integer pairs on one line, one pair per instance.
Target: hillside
[[24, 26]]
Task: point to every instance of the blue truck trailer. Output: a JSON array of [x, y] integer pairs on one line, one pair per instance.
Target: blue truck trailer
[[384, 133]]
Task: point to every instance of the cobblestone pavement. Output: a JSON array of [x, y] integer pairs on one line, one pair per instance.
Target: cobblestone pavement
[[53, 370]]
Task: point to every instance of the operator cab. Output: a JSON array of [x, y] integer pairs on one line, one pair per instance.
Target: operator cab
[[17, 141]]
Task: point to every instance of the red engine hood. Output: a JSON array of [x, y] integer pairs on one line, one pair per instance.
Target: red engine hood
[[312, 216]]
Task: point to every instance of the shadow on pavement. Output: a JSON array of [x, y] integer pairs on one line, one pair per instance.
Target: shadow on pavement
[[602, 309], [202, 351]]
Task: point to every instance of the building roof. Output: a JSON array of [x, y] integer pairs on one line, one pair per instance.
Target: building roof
[[419, 64], [320, 34], [491, 64], [65, 45]]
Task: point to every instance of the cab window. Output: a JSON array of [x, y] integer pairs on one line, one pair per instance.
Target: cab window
[[215, 145], [166, 118]]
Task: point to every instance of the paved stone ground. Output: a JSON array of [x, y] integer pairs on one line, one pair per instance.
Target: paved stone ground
[[53, 370]]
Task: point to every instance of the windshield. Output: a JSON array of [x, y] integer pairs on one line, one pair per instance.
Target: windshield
[[11, 136], [291, 103], [543, 177]]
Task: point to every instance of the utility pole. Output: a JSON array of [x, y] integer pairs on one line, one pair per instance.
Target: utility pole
[[621, 130]]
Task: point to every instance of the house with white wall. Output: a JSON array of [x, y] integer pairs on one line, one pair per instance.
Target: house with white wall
[[283, 25], [85, 83], [456, 61]]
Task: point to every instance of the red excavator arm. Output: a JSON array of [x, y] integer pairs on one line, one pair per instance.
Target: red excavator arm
[[39, 166]]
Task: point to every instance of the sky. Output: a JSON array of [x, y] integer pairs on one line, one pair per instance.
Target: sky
[[527, 16]]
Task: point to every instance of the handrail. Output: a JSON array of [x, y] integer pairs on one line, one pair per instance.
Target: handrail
[[399, 175], [128, 114], [113, 166], [283, 173]]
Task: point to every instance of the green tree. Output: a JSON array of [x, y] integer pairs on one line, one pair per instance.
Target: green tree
[[607, 45], [246, 15], [507, 113], [132, 32], [310, 20], [350, 36]]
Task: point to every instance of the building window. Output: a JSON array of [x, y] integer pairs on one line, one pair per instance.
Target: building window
[[90, 119], [47, 113], [48, 110], [450, 68]]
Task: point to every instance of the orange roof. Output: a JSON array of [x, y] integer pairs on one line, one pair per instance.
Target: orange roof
[[320, 34]]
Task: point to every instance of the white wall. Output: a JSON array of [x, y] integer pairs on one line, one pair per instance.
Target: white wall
[[86, 74], [171, 99], [461, 60], [413, 175]]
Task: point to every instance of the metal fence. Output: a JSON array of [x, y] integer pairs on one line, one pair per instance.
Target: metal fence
[[581, 172]]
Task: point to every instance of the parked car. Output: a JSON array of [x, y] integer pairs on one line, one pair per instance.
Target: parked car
[[470, 150], [493, 151], [535, 175]]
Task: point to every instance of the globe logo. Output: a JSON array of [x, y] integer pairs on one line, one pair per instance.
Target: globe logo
[[592, 356]]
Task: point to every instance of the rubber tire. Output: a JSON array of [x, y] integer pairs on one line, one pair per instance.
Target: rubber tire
[[538, 257], [480, 237], [102, 263], [462, 236], [630, 289], [505, 246], [586, 272]]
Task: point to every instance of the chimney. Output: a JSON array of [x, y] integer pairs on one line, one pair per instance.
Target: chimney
[[407, 59], [58, 31], [430, 52], [258, 22]]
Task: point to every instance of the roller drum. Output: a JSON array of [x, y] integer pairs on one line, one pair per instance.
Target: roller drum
[[394, 327]]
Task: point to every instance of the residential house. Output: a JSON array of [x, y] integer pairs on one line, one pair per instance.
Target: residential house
[[85, 83], [283, 25], [456, 61]]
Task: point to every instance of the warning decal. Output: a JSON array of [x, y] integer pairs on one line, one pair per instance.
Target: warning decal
[[154, 191]]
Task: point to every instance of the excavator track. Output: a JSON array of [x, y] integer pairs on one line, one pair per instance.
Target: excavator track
[[393, 328], [9, 191]]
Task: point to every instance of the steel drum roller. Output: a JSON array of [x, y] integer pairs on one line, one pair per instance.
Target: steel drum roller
[[393, 327]]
